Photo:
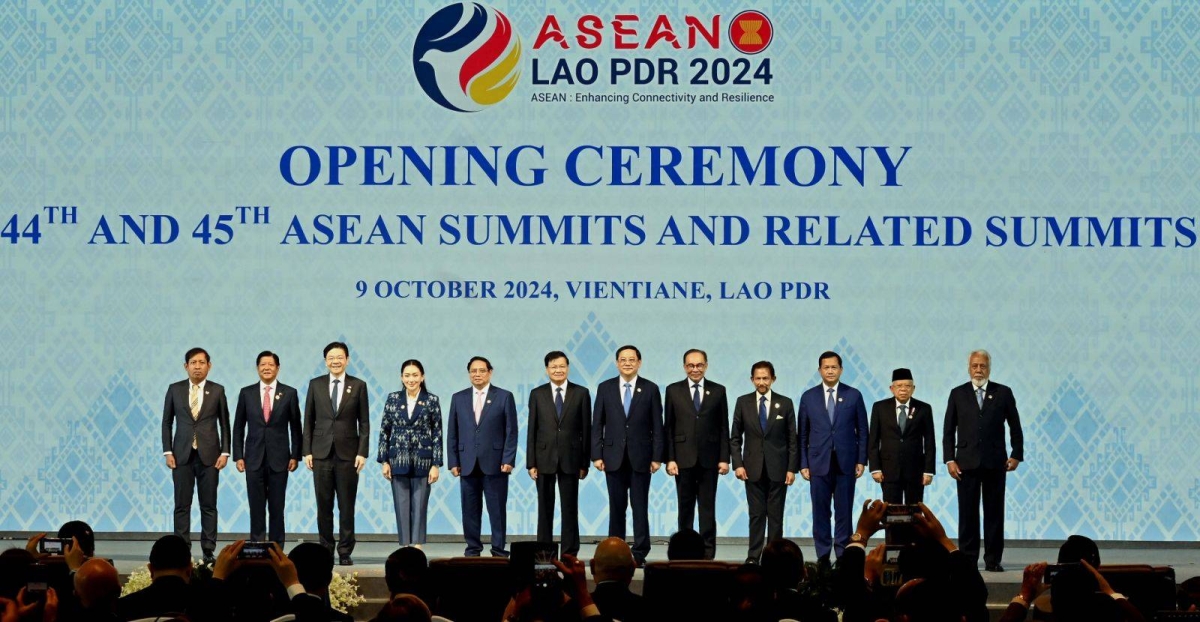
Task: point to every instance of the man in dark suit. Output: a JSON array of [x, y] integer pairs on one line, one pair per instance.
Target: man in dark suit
[[481, 438], [337, 433], [973, 445], [901, 447], [627, 445], [197, 451], [765, 455], [833, 452], [612, 569], [696, 433], [170, 590], [557, 448], [266, 417]]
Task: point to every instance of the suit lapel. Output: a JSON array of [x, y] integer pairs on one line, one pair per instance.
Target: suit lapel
[[345, 394], [487, 404]]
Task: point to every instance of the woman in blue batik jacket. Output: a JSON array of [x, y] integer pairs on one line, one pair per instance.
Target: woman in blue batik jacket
[[410, 449]]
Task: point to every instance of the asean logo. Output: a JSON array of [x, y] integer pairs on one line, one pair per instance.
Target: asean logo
[[466, 57], [750, 32]]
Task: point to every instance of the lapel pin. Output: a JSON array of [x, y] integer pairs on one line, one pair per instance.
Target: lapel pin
[[206, 392], [989, 397], [277, 396], [639, 390], [420, 403], [839, 400], [347, 390], [707, 393], [489, 401], [403, 407]]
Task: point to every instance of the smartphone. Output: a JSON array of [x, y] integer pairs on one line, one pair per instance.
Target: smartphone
[[54, 546], [38, 583], [1053, 570], [534, 562], [256, 550]]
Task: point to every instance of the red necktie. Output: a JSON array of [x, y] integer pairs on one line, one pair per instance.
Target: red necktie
[[267, 404]]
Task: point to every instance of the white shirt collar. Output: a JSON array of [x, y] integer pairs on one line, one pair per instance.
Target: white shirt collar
[[274, 385], [487, 387]]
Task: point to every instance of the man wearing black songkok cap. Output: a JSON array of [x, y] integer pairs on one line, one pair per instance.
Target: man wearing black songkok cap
[[901, 448]]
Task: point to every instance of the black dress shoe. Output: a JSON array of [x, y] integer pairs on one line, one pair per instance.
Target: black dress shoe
[[751, 561], [209, 559], [345, 561], [994, 568]]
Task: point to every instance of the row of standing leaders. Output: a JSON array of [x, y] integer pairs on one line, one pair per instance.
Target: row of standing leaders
[[628, 430]]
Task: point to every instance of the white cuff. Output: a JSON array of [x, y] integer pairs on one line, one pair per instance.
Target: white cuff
[[295, 590]]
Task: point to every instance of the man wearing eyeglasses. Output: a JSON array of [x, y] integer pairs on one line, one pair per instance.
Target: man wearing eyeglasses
[[696, 428], [337, 426], [557, 449]]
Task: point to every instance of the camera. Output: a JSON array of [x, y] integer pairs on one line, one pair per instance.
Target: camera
[[898, 524], [54, 546], [256, 550], [1053, 570]]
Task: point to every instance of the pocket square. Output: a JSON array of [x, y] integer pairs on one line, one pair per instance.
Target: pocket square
[[777, 417]]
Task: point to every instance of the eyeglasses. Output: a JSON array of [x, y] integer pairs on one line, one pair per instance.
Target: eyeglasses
[[696, 365], [557, 367], [624, 360], [335, 358]]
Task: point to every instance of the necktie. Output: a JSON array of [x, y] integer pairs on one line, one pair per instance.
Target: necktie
[[194, 404], [830, 405], [902, 419], [979, 397], [696, 396], [762, 413], [267, 404], [628, 398], [558, 402], [333, 396], [478, 406]]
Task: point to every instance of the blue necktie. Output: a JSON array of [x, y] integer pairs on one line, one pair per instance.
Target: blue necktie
[[333, 397], [830, 405], [627, 399], [762, 413], [979, 397], [558, 403], [696, 397]]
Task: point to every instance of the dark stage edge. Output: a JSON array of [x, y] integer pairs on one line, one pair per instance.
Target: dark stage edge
[[129, 551]]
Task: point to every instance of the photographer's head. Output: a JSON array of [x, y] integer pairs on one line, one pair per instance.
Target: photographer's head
[[83, 534], [171, 556], [783, 564], [406, 571], [685, 544], [613, 561], [1077, 548], [97, 585], [314, 567], [1076, 596]]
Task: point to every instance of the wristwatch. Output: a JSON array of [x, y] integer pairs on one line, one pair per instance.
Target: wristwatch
[[857, 538]]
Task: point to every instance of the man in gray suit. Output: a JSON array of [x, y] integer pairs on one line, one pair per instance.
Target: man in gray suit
[[337, 426], [765, 454], [197, 450]]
